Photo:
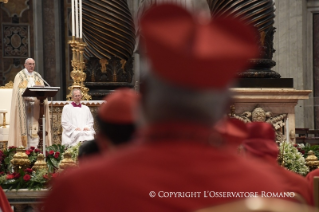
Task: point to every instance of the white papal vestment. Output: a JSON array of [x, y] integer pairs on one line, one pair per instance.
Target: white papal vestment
[[76, 117]]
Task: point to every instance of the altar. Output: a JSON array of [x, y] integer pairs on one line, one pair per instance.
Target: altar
[[23, 199], [272, 105]]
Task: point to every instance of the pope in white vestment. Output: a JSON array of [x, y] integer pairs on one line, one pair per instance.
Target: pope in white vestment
[[24, 116], [77, 121]]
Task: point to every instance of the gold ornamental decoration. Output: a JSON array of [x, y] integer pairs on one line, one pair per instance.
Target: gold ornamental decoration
[[20, 160], [9, 85], [77, 74], [312, 161], [67, 161], [40, 163]]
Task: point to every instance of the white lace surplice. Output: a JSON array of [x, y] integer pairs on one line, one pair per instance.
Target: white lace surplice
[[76, 117]]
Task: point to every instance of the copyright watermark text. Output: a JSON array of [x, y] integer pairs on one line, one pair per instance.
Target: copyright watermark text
[[215, 194]]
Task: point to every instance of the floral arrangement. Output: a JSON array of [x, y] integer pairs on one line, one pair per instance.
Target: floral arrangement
[[29, 178], [293, 159], [54, 155], [304, 149]]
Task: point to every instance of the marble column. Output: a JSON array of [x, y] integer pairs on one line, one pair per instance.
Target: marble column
[[290, 56]]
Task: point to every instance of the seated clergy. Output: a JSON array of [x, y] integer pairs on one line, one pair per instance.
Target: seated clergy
[[77, 121]]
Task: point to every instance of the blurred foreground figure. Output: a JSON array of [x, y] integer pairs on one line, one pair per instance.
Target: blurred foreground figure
[[178, 163], [261, 145], [4, 203], [310, 176], [117, 123]]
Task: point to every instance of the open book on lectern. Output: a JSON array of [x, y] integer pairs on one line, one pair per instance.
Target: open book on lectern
[[40, 91]]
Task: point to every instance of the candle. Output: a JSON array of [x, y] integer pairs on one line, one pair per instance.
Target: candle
[[43, 130], [73, 24], [80, 8], [287, 129], [76, 19]]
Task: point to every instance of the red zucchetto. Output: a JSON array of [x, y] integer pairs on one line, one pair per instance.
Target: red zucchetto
[[120, 107]]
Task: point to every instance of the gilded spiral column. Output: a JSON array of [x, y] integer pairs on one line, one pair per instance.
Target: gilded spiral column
[[109, 33], [261, 14]]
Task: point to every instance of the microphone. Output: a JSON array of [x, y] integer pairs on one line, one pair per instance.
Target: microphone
[[42, 79]]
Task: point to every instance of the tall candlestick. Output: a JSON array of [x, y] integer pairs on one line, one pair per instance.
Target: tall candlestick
[[43, 130], [73, 24], [287, 129], [80, 5], [76, 19]]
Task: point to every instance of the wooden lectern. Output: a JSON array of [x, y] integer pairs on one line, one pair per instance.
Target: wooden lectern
[[41, 93]]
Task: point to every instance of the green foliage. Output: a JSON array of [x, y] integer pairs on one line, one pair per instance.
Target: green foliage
[[54, 154], [35, 182], [7, 156]]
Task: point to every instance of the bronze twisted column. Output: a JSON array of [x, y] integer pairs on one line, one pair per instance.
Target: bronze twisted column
[[261, 14]]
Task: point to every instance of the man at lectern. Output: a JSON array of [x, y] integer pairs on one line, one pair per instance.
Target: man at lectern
[[77, 121], [25, 110]]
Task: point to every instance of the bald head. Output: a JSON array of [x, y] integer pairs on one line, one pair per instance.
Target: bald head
[[29, 64]]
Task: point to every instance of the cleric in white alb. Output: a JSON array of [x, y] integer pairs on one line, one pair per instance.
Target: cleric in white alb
[[77, 121]]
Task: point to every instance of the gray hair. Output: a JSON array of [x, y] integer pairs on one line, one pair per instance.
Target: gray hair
[[164, 101], [28, 59], [76, 89]]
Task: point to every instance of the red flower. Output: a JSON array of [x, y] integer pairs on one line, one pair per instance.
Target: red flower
[[295, 145], [27, 177], [16, 175], [56, 155], [1, 173], [36, 150], [28, 170], [10, 176], [12, 147], [54, 175], [46, 176], [51, 152], [32, 147], [30, 150], [27, 152], [302, 152]]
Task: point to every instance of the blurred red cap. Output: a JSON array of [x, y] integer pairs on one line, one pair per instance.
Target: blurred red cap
[[261, 140], [233, 129], [119, 107], [187, 52]]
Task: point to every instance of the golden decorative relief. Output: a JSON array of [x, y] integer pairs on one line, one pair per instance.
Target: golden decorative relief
[[23, 84], [260, 115], [9, 85]]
